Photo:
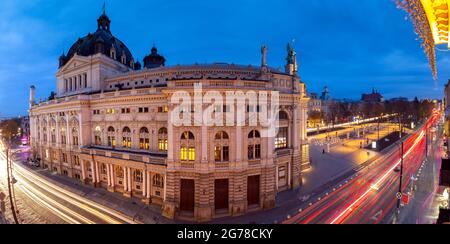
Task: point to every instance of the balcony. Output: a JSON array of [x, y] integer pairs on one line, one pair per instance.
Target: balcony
[[126, 154], [283, 152]]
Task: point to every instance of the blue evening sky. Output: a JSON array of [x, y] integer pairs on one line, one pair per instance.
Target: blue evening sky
[[348, 45]]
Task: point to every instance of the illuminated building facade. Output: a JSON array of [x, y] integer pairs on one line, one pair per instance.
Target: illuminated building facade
[[110, 125]]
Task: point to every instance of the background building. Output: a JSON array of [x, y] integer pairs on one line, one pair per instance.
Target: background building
[[374, 97]]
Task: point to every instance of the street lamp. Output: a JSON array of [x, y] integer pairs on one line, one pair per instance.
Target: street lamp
[[10, 182], [400, 192]]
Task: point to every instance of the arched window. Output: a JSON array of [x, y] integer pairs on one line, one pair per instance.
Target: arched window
[[112, 53], [222, 148], [111, 137], [162, 140], [63, 136], [187, 136], [158, 181], [282, 115], [138, 176], [53, 135], [254, 145], [98, 136], [254, 134], [187, 152], [144, 139], [44, 132], [126, 137], [75, 137]]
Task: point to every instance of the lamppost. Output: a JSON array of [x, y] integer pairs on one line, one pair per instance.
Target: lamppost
[[400, 191], [380, 118], [10, 184]]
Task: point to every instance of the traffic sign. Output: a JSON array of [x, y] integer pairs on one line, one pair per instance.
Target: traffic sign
[[399, 195], [405, 200]]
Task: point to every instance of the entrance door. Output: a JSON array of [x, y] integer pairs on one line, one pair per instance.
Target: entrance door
[[253, 190], [221, 194], [282, 177], [187, 201]]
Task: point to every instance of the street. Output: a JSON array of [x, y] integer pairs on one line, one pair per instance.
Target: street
[[41, 201], [368, 196]]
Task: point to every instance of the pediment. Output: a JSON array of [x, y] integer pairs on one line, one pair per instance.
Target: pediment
[[74, 63]]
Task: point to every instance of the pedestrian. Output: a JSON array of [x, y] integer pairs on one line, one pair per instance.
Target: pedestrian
[[323, 151]]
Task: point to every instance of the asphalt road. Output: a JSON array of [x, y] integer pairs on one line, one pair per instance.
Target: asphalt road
[[41, 201], [370, 195]]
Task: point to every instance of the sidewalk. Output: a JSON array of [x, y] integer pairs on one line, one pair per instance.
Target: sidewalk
[[327, 171]]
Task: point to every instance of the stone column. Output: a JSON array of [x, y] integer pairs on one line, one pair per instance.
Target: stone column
[[97, 169], [144, 183], [130, 180], [83, 172], [204, 158], [94, 174], [149, 185], [239, 144], [296, 164], [112, 178], [290, 183], [108, 175], [125, 178], [127, 175]]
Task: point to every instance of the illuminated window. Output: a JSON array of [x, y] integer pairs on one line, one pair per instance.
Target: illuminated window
[[110, 111], [281, 141], [111, 137], [187, 146], [221, 150], [192, 154], [218, 153], [126, 137], [111, 141], [144, 140], [162, 140], [98, 136], [187, 154], [183, 154], [164, 109]]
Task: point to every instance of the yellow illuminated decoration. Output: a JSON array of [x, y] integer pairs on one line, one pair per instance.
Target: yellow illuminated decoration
[[431, 22], [437, 14]]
